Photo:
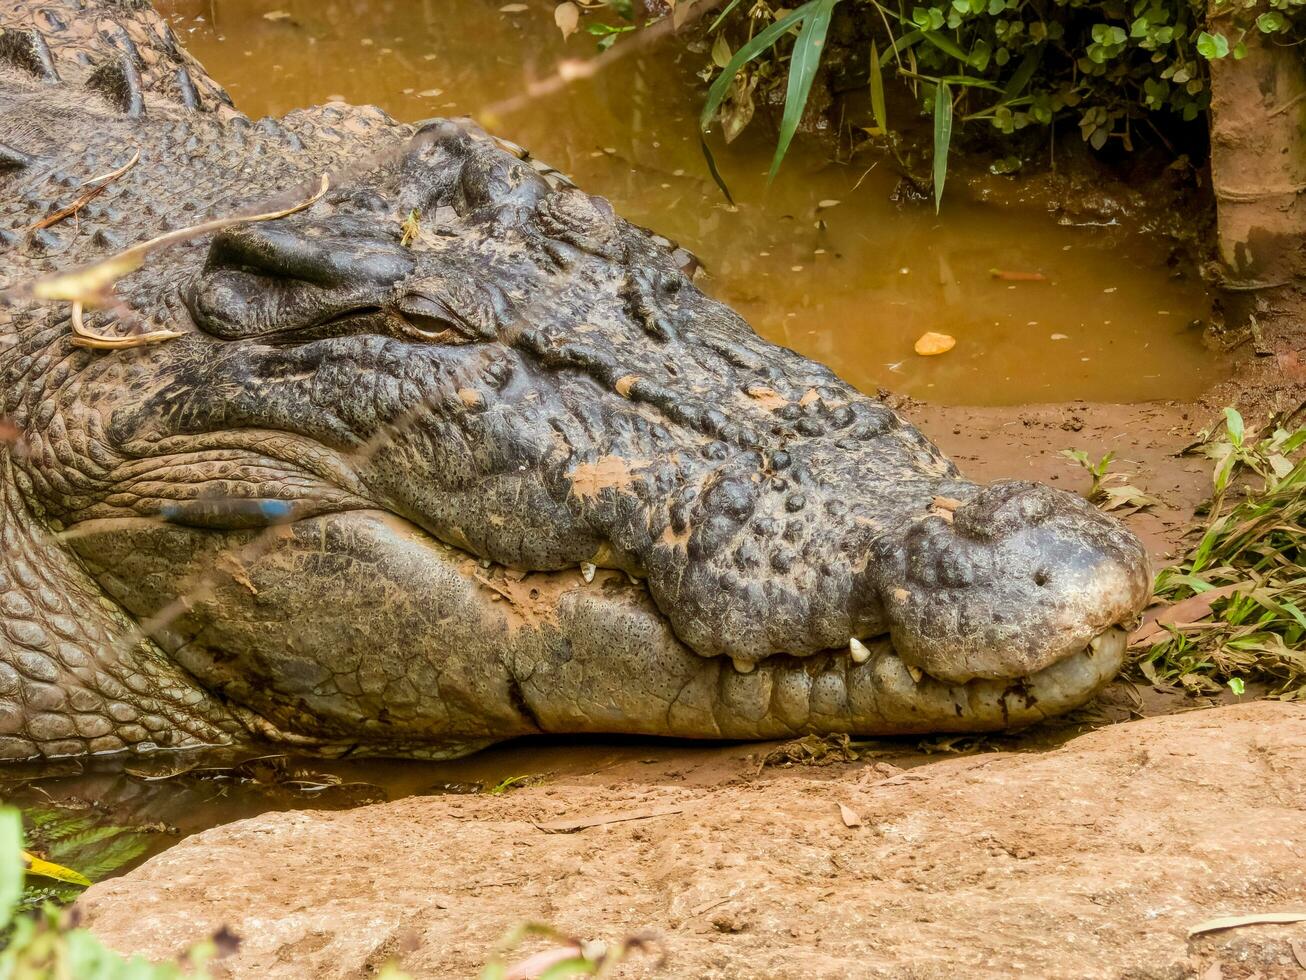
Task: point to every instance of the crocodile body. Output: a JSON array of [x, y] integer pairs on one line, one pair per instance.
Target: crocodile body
[[456, 454]]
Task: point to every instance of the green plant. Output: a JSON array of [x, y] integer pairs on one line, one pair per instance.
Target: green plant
[[1108, 489], [47, 943], [1246, 577], [62, 840], [1015, 64]]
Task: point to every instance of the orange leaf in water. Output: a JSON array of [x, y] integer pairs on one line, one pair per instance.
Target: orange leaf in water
[[934, 343]]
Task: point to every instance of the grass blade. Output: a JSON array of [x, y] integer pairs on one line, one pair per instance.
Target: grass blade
[[720, 87], [942, 138], [877, 92], [948, 47], [722, 16], [803, 63], [1023, 73]]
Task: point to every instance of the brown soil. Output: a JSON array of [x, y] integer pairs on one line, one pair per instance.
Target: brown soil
[[1091, 860]]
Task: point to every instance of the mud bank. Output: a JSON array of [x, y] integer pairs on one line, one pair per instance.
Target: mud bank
[[1092, 860]]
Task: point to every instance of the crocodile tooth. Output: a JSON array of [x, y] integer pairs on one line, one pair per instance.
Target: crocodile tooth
[[587, 571], [916, 673], [743, 666], [858, 650]]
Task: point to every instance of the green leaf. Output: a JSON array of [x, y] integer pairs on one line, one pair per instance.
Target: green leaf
[[877, 92], [1023, 73], [1212, 46], [803, 63], [1234, 423], [11, 863], [948, 47], [723, 15], [1237, 686], [942, 138], [721, 53], [1271, 22]]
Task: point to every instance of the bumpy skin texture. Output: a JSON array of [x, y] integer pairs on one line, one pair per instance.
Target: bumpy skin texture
[[355, 504]]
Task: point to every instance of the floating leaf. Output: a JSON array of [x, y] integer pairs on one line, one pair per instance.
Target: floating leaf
[[931, 343], [513, 8], [277, 15]]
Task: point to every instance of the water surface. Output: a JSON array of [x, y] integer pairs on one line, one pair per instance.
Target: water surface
[[852, 283]]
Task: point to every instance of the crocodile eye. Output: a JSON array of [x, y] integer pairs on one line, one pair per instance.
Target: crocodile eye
[[426, 318]]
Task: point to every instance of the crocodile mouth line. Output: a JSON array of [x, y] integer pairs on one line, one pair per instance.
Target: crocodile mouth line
[[1104, 652]]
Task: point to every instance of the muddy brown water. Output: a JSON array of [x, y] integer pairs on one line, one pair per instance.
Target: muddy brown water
[[822, 261], [852, 284]]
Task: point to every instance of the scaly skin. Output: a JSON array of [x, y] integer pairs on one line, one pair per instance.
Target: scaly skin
[[357, 504]]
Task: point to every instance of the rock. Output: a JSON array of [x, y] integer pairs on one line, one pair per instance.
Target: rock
[[1090, 860]]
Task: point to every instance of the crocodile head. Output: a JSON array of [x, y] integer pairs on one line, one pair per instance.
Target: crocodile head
[[457, 387]]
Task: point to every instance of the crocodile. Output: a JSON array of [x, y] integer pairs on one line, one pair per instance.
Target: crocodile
[[450, 453]]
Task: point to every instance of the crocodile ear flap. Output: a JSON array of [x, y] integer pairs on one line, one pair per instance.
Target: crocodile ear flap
[[119, 81], [27, 50]]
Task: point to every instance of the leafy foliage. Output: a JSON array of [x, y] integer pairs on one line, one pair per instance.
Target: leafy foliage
[[1254, 553], [48, 944], [1013, 64], [75, 840]]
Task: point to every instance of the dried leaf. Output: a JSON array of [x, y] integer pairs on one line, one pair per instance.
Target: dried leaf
[[737, 113], [277, 15], [567, 17], [1298, 948], [1190, 610], [513, 8], [1236, 921], [932, 343], [431, 93], [568, 825], [849, 815], [1118, 496]]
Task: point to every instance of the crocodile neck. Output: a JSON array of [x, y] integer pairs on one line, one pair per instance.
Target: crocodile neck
[[75, 675]]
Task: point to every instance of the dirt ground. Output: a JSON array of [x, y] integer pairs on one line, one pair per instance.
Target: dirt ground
[[1095, 859]]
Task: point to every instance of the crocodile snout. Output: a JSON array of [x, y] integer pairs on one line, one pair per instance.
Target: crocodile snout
[[1008, 583]]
